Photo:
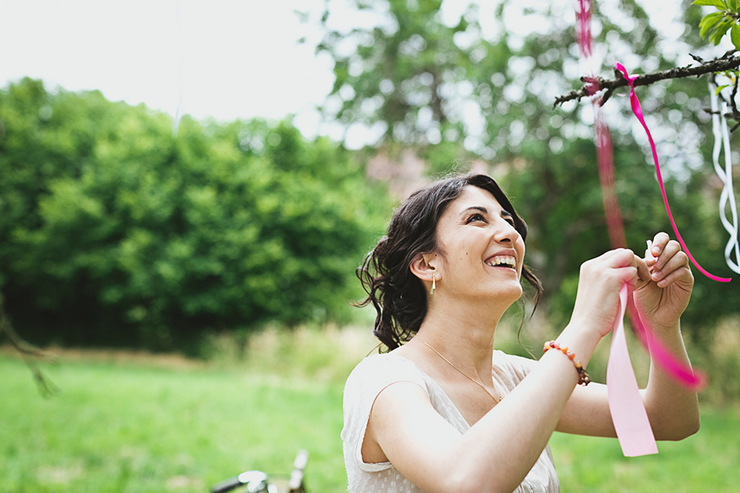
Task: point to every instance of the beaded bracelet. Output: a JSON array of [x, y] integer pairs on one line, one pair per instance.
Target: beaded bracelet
[[583, 378]]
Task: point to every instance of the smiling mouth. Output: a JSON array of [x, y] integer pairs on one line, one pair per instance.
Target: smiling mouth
[[502, 261]]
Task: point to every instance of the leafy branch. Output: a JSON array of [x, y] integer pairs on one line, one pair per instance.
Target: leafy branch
[[715, 25]]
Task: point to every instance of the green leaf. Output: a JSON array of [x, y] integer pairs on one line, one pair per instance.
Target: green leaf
[[722, 28], [710, 3], [735, 36], [733, 5], [708, 22], [719, 88]]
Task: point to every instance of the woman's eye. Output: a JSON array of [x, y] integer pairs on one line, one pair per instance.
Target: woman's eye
[[475, 217], [508, 218]]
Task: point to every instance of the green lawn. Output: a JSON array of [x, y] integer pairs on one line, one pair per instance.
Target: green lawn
[[706, 462], [127, 428], [139, 427]]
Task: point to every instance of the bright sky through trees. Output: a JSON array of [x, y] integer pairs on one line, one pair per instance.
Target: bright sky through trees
[[239, 58]]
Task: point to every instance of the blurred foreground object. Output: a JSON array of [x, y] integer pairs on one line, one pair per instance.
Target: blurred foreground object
[[259, 482]]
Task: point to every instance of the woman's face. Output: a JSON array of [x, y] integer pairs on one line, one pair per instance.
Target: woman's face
[[481, 253]]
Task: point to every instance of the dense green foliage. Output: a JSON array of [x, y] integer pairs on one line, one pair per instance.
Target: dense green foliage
[[480, 85], [113, 232]]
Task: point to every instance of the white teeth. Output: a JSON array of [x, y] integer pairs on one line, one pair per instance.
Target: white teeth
[[502, 260]]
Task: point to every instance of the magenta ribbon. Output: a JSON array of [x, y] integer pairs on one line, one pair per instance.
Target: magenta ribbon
[[625, 402], [637, 110], [682, 373]]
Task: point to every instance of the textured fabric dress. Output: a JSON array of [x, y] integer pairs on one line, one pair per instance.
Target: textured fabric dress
[[374, 374]]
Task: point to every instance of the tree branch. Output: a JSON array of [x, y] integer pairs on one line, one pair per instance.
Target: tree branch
[[728, 61], [31, 355]]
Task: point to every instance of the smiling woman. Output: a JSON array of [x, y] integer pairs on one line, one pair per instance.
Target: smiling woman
[[442, 410], [385, 274]]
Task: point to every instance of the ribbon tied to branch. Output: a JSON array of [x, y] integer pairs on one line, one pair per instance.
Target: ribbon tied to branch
[[627, 409]]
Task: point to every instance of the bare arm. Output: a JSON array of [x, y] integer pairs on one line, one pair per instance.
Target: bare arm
[[494, 455], [672, 408]]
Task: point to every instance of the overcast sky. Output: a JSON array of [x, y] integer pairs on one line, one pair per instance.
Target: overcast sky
[[239, 58]]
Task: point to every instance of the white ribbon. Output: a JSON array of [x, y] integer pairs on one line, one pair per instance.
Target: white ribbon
[[722, 136]]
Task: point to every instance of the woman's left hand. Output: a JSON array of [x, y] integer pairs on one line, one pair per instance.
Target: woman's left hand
[[666, 295]]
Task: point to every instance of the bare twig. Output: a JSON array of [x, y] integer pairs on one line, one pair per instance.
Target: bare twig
[[732, 97], [734, 114], [31, 354], [728, 61]]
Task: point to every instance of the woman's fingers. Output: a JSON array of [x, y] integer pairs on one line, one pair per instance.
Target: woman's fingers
[[643, 271], [658, 244], [674, 268], [675, 276], [668, 251], [620, 265], [621, 257], [597, 300], [671, 258]]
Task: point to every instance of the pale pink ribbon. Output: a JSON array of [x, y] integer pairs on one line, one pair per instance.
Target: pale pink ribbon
[[625, 403]]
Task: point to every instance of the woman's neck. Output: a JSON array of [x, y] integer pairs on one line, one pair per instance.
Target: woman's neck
[[463, 334]]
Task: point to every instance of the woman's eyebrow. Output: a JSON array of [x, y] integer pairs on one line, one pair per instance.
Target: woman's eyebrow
[[474, 208], [482, 209]]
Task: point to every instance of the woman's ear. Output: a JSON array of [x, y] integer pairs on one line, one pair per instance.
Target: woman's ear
[[423, 267]]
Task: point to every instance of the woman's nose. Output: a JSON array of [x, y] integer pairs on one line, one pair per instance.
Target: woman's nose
[[505, 232]]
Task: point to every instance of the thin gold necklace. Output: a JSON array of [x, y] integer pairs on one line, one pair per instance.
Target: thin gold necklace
[[460, 371]]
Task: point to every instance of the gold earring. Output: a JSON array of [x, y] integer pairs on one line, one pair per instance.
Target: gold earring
[[434, 283]]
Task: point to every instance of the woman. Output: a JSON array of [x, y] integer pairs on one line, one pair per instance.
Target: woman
[[444, 412]]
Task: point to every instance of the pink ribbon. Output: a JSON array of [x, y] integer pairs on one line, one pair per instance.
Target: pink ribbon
[[605, 160], [584, 27], [625, 402], [682, 373], [603, 135], [637, 110]]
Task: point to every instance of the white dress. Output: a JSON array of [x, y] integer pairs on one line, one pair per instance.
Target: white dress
[[375, 373]]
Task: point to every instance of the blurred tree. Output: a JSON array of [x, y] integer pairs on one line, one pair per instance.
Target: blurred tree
[[112, 232], [479, 83]]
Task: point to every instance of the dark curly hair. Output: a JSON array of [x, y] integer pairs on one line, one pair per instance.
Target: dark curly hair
[[395, 292]]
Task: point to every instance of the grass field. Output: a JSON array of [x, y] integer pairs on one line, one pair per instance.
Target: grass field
[[146, 424]]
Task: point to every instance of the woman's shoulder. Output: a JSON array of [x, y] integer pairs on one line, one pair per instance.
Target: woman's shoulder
[[384, 366], [378, 371]]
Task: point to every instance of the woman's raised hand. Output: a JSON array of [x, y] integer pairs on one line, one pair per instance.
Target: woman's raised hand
[[597, 301], [662, 284], [662, 300]]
